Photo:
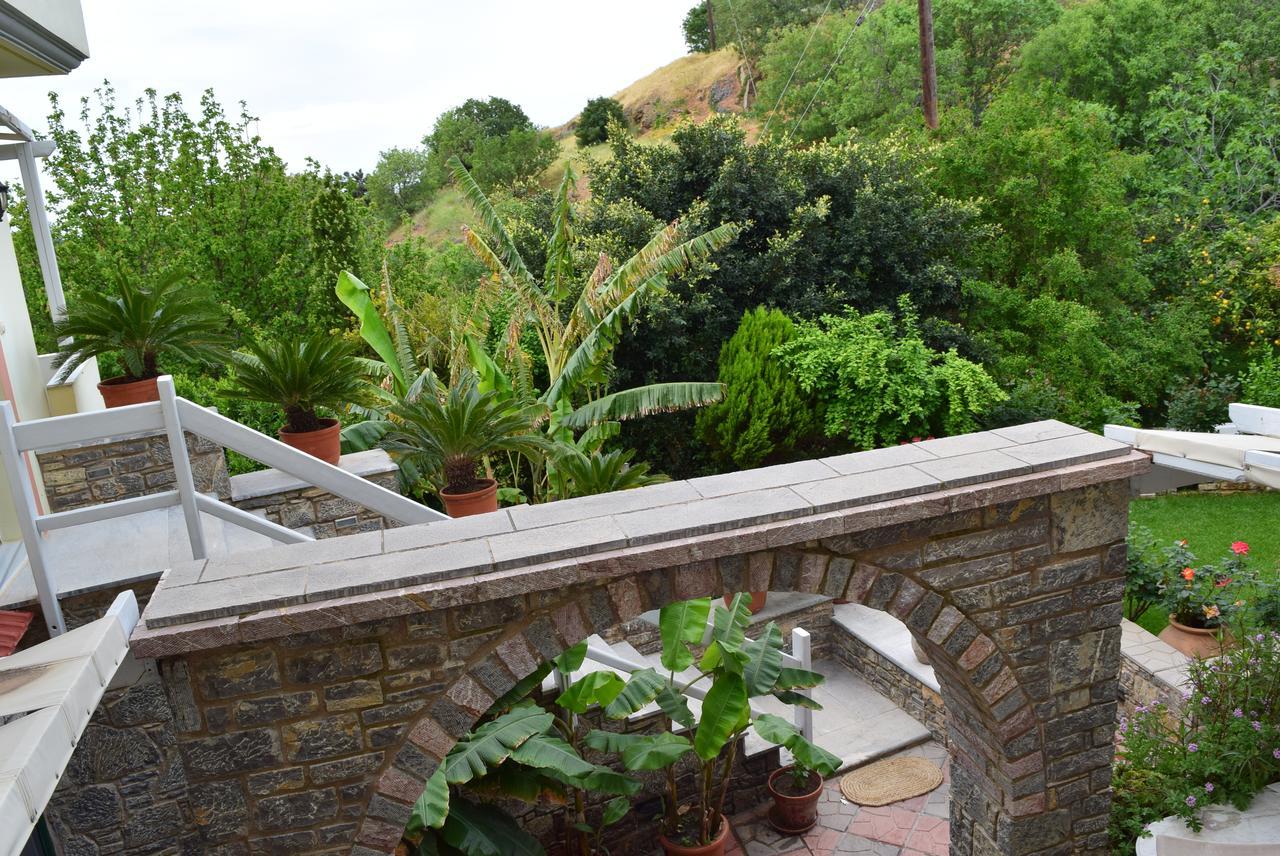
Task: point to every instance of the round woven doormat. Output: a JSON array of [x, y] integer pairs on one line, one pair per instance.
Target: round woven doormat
[[890, 781]]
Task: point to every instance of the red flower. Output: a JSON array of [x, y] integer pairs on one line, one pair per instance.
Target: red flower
[[1240, 548], [1188, 573]]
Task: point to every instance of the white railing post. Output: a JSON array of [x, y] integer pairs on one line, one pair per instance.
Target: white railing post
[[24, 502], [181, 466], [801, 649]]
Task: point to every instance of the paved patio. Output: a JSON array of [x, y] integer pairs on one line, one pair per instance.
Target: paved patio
[[914, 827]]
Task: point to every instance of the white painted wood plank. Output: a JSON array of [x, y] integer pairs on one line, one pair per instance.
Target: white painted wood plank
[[1253, 419], [24, 502], [182, 467], [107, 510], [1211, 472], [273, 453], [252, 522], [79, 427]]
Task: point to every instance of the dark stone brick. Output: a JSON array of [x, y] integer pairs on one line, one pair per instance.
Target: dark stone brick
[[327, 666], [240, 674], [94, 807], [482, 616], [415, 656], [219, 809], [322, 737], [259, 711], [297, 811], [921, 618], [274, 781], [106, 754], [236, 752], [385, 735], [144, 702], [152, 824], [285, 845], [394, 813], [883, 590], [346, 768], [1067, 573], [342, 833], [398, 712]]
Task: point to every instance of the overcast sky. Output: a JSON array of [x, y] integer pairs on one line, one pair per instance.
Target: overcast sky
[[341, 81]]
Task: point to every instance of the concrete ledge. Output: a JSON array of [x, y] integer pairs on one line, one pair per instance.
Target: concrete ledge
[[516, 551], [267, 482], [887, 636]]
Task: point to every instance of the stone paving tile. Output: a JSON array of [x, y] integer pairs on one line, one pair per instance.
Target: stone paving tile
[[916, 827]]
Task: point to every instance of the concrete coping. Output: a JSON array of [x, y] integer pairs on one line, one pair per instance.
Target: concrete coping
[[1164, 663], [888, 637], [259, 483], [379, 574]]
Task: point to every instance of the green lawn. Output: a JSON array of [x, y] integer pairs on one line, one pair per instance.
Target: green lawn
[[1210, 523]]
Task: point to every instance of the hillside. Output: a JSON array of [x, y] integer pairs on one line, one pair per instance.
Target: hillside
[[692, 87]]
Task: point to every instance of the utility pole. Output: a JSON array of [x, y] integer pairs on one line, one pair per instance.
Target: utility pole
[[928, 70], [711, 27]]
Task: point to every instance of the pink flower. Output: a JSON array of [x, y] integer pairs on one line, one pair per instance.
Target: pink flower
[[1208, 787], [1240, 548], [1191, 801]]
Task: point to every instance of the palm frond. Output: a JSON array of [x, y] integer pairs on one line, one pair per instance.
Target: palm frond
[[559, 268], [300, 375], [507, 252], [644, 400]]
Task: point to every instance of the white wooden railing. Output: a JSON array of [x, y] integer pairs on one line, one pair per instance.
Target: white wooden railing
[[800, 658], [175, 416]]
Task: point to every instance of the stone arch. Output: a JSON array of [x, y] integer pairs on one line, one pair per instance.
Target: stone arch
[[1015, 602]]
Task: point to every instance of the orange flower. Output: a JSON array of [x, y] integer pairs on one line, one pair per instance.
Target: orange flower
[[1188, 574]]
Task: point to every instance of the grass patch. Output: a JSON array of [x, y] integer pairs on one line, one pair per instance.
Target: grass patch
[[441, 220], [1210, 523]]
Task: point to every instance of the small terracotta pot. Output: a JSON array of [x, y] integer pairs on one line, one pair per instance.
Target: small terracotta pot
[[324, 443], [1199, 642], [480, 501], [793, 815], [118, 392], [715, 848], [758, 599]]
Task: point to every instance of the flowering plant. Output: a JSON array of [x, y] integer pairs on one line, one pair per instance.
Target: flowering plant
[[1205, 596], [1220, 745]]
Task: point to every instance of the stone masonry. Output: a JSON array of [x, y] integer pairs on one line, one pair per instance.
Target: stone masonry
[[315, 688], [126, 467]]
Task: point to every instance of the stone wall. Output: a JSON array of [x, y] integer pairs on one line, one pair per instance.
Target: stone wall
[[125, 467], [924, 703], [295, 504], [1151, 672], [311, 703]]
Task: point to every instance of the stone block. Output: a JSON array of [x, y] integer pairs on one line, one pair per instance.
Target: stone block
[[233, 753], [322, 737], [239, 674], [352, 696], [711, 515], [975, 468], [345, 769], [329, 665], [865, 488], [274, 708], [219, 809], [297, 811], [1090, 517]]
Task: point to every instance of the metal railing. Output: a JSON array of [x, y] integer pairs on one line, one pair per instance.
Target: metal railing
[[800, 658], [176, 417]]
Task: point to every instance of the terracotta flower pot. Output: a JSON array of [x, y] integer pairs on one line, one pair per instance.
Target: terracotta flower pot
[[715, 848], [325, 443], [117, 391], [1197, 642], [792, 813], [480, 501], [758, 599]]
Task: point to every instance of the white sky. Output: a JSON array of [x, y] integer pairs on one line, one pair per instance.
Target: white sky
[[341, 81]]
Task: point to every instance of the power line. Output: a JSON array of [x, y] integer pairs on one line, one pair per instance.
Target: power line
[[792, 76], [862, 16]]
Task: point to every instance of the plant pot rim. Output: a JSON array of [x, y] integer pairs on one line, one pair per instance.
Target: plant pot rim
[[787, 770], [125, 380], [489, 484], [1202, 631], [720, 838], [329, 425]]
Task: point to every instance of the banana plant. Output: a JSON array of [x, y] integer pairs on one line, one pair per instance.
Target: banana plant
[[525, 752], [738, 670], [577, 335]]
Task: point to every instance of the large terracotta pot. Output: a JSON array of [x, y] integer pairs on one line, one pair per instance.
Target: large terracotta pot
[[1196, 642], [715, 848], [324, 443], [480, 501], [758, 599], [793, 814], [118, 392]]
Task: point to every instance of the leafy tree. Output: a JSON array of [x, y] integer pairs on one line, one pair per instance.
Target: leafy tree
[[593, 124], [399, 184], [764, 415], [697, 34], [155, 188], [880, 383], [493, 130], [1261, 383], [334, 218]]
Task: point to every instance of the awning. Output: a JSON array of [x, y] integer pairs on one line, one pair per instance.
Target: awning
[[1247, 449], [47, 695]]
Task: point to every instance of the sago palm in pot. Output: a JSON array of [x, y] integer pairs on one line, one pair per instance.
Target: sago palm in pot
[[303, 375], [140, 323], [449, 432]]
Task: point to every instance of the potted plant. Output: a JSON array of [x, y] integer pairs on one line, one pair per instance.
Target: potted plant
[[302, 374], [140, 323], [448, 433], [797, 787], [737, 669], [1201, 600]]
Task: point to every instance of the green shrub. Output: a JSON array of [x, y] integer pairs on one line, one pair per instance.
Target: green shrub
[[209, 391], [1261, 384], [880, 383], [1221, 745], [593, 124], [764, 415], [1201, 405]]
